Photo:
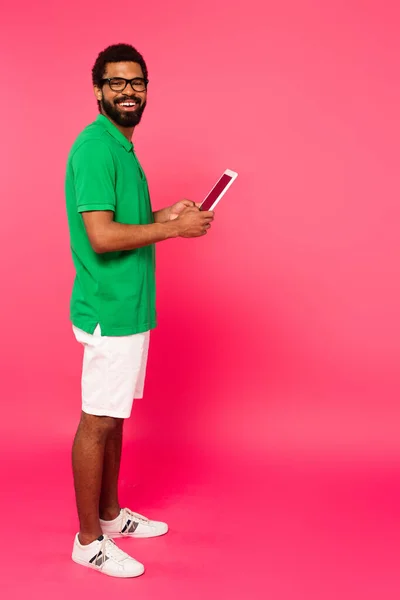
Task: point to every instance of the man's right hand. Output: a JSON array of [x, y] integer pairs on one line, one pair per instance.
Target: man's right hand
[[193, 222]]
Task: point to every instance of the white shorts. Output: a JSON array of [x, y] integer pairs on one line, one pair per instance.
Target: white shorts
[[113, 373]]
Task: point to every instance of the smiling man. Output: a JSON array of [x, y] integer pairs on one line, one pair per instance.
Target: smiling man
[[113, 232]]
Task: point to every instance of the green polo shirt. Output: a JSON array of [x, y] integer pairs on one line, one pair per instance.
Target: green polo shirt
[[116, 289]]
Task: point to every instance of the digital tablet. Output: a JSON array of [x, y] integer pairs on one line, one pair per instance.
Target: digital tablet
[[219, 189]]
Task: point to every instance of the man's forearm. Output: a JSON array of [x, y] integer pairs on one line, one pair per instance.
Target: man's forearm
[[117, 236], [162, 216]]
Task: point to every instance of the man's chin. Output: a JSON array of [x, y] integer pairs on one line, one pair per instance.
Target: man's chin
[[129, 120], [124, 119]]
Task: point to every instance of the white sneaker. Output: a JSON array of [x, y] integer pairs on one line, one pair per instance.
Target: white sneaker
[[104, 556], [130, 524]]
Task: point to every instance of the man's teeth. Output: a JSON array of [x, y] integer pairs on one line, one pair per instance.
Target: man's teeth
[[128, 103]]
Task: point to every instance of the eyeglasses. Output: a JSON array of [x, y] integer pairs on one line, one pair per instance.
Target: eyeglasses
[[118, 84]]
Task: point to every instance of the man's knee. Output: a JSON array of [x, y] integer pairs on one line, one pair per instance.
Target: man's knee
[[100, 425]]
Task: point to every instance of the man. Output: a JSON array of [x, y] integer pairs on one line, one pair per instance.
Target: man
[[113, 231]]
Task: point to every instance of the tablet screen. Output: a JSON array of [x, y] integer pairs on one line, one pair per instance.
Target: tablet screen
[[216, 191]]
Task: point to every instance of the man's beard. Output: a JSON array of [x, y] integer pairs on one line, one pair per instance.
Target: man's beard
[[122, 118]]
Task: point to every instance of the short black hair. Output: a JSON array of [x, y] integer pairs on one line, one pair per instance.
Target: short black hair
[[114, 54]]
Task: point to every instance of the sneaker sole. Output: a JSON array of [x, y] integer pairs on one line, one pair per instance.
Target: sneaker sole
[[94, 568], [136, 535]]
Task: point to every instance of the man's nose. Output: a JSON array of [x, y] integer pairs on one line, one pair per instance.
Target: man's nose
[[129, 85]]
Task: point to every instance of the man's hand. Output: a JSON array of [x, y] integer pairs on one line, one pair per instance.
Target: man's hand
[[176, 209], [191, 222], [172, 212]]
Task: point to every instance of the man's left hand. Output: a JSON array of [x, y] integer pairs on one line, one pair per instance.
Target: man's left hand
[[176, 209]]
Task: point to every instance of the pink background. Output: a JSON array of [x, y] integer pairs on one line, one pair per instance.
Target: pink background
[[272, 405]]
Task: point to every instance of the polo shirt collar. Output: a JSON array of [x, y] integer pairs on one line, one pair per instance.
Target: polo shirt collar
[[110, 127]]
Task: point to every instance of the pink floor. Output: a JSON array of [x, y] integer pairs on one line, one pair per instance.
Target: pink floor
[[284, 531]]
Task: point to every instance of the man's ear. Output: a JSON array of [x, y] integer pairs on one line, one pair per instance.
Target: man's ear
[[98, 93]]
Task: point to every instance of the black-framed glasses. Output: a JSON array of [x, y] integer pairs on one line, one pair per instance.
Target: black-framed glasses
[[118, 84]]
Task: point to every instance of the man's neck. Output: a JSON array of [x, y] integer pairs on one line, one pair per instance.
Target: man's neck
[[126, 131]]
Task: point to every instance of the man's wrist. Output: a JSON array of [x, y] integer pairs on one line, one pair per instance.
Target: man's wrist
[[162, 216], [171, 228]]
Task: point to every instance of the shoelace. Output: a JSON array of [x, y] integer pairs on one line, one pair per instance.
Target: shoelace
[[128, 514], [108, 549]]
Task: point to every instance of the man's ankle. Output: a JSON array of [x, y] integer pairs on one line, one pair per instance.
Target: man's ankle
[[109, 514], [87, 538]]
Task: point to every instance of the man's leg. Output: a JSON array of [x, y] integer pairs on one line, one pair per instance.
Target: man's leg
[[88, 454], [109, 503]]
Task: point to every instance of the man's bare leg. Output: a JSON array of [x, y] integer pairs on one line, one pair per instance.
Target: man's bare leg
[[88, 462], [109, 503]]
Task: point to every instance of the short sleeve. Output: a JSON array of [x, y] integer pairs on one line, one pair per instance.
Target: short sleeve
[[94, 177]]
